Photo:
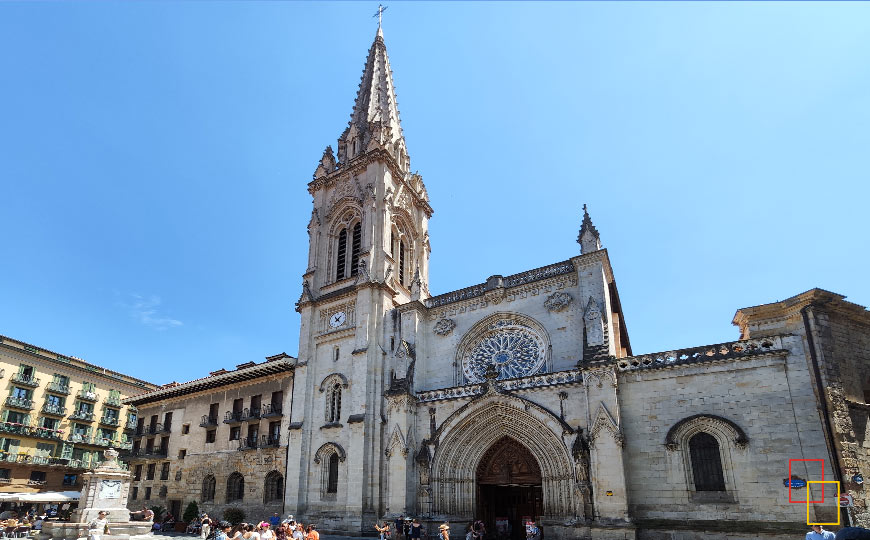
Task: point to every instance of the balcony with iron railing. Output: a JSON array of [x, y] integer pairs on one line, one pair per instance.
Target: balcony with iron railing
[[208, 421], [126, 445], [19, 402], [109, 420], [53, 409], [265, 441], [254, 413], [153, 429], [26, 380], [79, 438], [47, 433], [58, 388], [113, 401], [84, 416], [233, 417], [30, 431], [100, 441], [88, 395], [146, 453], [272, 409], [131, 424]]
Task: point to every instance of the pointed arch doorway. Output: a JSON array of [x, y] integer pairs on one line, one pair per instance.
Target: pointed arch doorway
[[508, 489]]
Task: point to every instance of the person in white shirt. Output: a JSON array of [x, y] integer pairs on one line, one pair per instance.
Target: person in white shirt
[[98, 527], [266, 532]]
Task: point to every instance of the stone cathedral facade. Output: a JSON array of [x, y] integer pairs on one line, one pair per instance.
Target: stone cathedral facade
[[520, 396]]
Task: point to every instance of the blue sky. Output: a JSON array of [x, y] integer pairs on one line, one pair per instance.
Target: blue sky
[[154, 158]]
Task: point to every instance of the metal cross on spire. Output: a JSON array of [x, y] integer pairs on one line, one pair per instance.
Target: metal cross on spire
[[379, 14]]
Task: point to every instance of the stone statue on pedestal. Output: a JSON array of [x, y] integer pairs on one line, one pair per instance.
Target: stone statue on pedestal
[[105, 489]]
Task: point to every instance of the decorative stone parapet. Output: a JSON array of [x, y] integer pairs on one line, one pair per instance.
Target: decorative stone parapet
[[708, 353]]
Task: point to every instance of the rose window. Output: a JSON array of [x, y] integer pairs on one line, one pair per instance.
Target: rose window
[[513, 349]]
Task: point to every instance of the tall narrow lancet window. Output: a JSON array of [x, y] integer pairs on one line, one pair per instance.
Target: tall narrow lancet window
[[401, 262], [355, 248], [332, 478], [393, 244], [342, 255], [706, 463]]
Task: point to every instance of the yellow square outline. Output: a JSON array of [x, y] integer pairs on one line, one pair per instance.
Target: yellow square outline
[[838, 500]]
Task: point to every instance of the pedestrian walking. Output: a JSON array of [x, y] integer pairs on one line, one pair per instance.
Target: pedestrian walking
[[205, 527], [312, 533], [444, 531], [819, 533], [416, 529]]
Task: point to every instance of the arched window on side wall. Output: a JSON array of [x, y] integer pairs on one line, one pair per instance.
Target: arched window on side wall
[[235, 487], [706, 463], [332, 475], [341, 255], [273, 487], [208, 484]]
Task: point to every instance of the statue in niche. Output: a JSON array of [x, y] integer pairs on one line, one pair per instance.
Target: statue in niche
[[580, 453], [594, 324]]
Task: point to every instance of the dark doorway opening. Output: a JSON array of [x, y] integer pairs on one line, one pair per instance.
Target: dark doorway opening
[[508, 489], [175, 509]]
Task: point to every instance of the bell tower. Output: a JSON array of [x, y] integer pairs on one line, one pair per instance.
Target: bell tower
[[368, 253], [370, 212]]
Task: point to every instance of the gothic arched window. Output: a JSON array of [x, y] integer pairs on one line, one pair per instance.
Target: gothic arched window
[[341, 255], [332, 474], [706, 463], [208, 484], [274, 487], [356, 242], [235, 487], [333, 403]]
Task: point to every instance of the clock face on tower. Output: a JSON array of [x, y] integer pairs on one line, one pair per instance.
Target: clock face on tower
[[337, 319]]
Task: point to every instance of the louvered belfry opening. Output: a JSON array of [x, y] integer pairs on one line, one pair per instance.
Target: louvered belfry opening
[[342, 254], [355, 248]]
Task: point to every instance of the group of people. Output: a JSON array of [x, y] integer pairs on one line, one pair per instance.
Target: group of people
[[273, 529], [405, 529], [10, 519]]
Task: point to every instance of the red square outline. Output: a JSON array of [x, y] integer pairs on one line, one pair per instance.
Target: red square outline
[[808, 486]]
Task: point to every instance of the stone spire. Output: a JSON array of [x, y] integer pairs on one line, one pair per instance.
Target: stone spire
[[374, 122], [589, 239]]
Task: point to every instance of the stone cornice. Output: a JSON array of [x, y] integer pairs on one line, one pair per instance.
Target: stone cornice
[[790, 308], [77, 364], [358, 165], [264, 369], [598, 256]]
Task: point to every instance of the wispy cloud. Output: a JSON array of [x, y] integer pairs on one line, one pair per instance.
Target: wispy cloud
[[146, 310]]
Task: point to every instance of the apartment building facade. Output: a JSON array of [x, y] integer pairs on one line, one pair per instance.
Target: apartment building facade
[[220, 441], [59, 414]]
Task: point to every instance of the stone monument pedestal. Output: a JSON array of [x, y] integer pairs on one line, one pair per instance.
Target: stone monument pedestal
[[105, 489]]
